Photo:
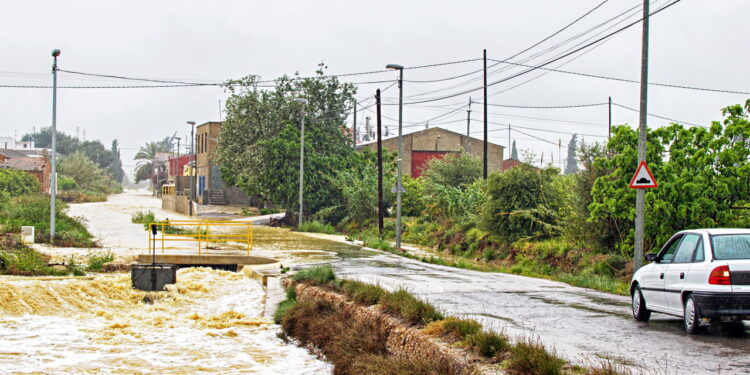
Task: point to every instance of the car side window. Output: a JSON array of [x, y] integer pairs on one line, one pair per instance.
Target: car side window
[[699, 253], [667, 255], [686, 249]]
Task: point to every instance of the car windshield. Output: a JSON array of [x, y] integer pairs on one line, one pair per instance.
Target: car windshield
[[731, 246]]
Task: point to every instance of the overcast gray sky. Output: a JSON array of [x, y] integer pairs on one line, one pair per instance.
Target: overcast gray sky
[[701, 43]]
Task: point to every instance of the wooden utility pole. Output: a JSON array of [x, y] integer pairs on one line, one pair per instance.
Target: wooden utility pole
[[609, 129], [380, 166], [354, 126], [485, 116], [468, 128], [640, 197]]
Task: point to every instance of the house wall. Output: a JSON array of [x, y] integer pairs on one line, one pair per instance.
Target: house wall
[[438, 141]]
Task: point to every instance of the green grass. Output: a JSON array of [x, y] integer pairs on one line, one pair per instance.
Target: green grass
[[282, 309], [529, 357], [362, 292], [377, 243], [269, 211], [409, 307], [488, 344], [34, 210], [96, 260], [21, 260], [318, 275], [143, 217], [314, 226]]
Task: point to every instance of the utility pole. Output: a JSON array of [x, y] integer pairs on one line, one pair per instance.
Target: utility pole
[[640, 197], [485, 114], [53, 177], [399, 172], [510, 146], [609, 129], [468, 128], [301, 159], [368, 131], [380, 166], [194, 177], [354, 125]]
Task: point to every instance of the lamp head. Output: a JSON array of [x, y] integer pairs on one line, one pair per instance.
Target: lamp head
[[55, 52], [394, 67], [301, 100], [191, 123]]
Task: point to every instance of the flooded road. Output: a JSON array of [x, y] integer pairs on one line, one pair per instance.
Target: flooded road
[[580, 324]]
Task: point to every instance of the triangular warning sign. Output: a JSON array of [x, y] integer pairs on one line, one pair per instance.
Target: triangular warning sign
[[643, 179]]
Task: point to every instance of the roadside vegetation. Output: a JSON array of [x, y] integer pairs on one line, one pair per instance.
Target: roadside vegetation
[[148, 217], [357, 348], [575, 225], [18, 259], [21, 204]]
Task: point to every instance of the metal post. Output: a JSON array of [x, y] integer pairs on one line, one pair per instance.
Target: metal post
[[380, 166], [53, 177], [640, 197], [301, 161], [468, 128], [399, 172], [194, 177], [609, 129], [485, 114], [354, 125]]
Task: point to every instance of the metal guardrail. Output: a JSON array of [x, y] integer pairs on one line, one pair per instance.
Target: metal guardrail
[[202, 232], [167, 190]]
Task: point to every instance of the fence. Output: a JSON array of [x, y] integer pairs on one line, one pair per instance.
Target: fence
[[177, 232]]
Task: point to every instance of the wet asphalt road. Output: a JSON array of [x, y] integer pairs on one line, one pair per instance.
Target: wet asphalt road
[[581, 324]]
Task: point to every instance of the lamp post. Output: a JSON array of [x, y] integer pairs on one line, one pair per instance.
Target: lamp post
[[399, 187], [301, 157], [53, 177], [178, 146], [193, 182]]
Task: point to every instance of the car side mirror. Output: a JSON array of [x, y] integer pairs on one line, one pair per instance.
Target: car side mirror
[[651, 257]]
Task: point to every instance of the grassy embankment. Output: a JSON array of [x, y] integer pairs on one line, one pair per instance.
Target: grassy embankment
[[554, 259], [20, 260], [361, 348], [148, 217]]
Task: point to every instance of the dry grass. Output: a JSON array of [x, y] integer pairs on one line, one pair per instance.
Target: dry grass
[[409, 307], [529, 357]]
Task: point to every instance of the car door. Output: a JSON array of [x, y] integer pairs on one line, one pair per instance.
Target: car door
[[677, 272], [652, 283]]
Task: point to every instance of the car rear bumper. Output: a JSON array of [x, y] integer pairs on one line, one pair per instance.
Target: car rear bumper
[[715, 305]]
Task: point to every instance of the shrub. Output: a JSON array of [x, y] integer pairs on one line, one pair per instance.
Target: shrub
[[18, 259], [377, 243], [267, 211], [66, 183], [282, 308], [488, 344], [456, 328], [318, 275], [409, 307], [529, 357], [143, 217], [34, 210], [314, 226], [14, 183]]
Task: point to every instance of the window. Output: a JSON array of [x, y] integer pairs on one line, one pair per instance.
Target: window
[[731, 246], [699, 253], [667, 255], [687, 247]]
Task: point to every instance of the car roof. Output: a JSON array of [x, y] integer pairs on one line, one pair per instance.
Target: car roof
[[720, 231]]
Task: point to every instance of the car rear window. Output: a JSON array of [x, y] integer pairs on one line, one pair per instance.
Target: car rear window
[[731, 246]]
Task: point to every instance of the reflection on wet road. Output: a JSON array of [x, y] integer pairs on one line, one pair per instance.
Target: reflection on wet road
[[580, 324]]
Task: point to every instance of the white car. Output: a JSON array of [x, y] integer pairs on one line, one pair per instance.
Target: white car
[[701, 275]]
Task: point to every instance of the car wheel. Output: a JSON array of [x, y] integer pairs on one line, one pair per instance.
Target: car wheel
[[640, 313], [692, 316]]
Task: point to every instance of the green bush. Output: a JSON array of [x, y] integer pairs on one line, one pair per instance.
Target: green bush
[[281, 310], [318, 275], [488, 344], [314, 226], [269, 211], [529, 356], [409, 307], [14, 183], [66, 183], [377, 243], [143, 217], [18, 259], [34, 210]]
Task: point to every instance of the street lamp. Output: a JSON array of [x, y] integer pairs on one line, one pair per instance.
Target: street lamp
[[193, 182], [399, 187], [178, 147], [301, 157], [53, 177]]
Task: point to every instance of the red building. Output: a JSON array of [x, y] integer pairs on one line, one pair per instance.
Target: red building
[[177, 165], [39, 167]]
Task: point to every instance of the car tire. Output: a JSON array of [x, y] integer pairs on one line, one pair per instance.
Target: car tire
[[691, 316], [640, 313]]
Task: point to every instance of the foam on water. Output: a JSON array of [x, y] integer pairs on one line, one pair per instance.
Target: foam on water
[[208, 323]]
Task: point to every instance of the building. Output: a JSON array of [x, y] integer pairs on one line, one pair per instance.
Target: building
[[421, 146], [37, 166], [211, 187]]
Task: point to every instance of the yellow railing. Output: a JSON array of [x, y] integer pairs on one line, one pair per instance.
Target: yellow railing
[[167, 190], [202, 233]]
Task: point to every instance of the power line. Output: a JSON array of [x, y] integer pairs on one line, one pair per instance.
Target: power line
[[659, 116], [547, 107]]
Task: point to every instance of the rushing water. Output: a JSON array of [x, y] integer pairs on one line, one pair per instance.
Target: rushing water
[[209, 322]]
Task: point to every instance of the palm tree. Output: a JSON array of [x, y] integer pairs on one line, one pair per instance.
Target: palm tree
[[146, 156]]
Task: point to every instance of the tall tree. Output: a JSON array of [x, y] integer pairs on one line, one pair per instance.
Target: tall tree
[[145, 157], [115, 167], [259, 142], [571, 164], [514, 153]]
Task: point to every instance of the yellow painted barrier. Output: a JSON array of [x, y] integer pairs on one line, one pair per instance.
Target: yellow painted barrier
[[204, 233]]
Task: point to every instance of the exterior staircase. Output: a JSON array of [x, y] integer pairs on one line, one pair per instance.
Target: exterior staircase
[[216, 197]]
